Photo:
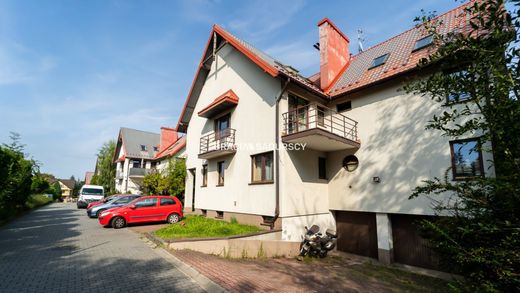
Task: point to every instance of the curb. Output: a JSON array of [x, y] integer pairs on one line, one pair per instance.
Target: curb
[[204, 282]]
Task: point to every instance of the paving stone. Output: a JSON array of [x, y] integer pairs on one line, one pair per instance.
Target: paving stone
[[57, 248]]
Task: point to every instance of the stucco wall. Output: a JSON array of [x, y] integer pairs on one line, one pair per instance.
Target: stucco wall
[[253, 118], [395, 147]]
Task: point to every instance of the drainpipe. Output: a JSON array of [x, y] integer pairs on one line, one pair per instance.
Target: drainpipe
[[277, 154]]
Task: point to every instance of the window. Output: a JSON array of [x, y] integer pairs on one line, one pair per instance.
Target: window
[[146, 203], [167, 202], [379, 61], [424, 42], [124, 199], [220, 170], [466, 159], [204, 175], [136, 164], [155, 149], [458, 94], [344, 106], [220, 215], [262, 168], [204, 212], [143, 147], [322, 168], [153, 165], [222, 123], [321, 116]]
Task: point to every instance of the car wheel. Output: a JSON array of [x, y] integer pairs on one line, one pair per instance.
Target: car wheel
[[173, 218], [118, 222], [99, 213]]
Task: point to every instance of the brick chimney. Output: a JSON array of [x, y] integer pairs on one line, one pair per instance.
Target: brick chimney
[[334, 52], [168, 136]]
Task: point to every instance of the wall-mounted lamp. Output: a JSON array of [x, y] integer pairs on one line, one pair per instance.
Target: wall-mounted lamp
[[376, 179]]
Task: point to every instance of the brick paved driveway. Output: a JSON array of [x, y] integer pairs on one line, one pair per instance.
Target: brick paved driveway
[[57, 248]]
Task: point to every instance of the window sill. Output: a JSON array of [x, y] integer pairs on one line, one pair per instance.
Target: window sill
[[261, 182], [219, 185], [203, 186], [466, 178]]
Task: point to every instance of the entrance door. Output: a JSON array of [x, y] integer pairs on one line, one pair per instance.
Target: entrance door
[[298, 114], [192, 172]]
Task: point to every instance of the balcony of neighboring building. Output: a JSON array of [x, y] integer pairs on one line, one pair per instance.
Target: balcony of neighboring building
[[135, 172], [320, 128], [217, 144]]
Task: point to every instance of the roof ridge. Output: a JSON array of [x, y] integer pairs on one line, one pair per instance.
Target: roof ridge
[[410, 29], [145, 131]]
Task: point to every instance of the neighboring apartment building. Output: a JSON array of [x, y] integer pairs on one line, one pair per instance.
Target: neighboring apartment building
[[139, 152], [365, 143]]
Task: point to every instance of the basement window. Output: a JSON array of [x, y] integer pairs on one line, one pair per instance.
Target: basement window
[[424, 42], [220, 215], [379, 61]]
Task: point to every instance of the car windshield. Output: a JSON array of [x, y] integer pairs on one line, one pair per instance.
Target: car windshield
[[92, 191]]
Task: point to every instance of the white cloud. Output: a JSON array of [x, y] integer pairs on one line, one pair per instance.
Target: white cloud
[[260, 18]]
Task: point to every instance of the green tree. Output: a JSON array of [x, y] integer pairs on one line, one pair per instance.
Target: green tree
[[39, 184], [106, 168], [16, 174], [169, 182], [56, 190], [481, 238]]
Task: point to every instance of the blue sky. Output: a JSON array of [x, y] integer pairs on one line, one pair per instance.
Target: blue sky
[[73, 72]]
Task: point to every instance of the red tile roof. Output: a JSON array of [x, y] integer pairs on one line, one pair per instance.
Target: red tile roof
[[402, 58], [355, 76], [227, 97], [172, 149]]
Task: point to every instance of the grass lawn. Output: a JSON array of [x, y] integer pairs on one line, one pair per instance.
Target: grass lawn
[[201, 227]]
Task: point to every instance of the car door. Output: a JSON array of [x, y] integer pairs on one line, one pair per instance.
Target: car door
[[145, 210], [167, 205]]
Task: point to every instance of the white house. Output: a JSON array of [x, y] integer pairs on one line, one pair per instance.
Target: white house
[[139, 152], [342, 148]]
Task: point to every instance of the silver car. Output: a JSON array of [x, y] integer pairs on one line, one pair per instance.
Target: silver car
[[119, 201]]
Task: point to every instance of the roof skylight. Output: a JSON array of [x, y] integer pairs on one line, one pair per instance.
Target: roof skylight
[[379, 60], [424, 42]]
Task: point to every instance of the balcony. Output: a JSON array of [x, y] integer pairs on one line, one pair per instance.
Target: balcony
[[217, 144], [138, 172], [320, 128]]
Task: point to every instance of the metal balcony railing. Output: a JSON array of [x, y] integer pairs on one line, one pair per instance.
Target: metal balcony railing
[[314, 116], [218, 141], [138, 172]]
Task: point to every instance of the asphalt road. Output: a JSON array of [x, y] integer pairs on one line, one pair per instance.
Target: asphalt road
[[57, 248]]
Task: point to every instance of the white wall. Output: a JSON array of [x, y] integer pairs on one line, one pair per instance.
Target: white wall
[[395, 147], [254, 121]]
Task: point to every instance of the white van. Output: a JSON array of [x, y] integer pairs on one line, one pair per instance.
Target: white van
[[90, 193]]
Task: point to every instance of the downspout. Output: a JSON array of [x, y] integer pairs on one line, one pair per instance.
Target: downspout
[[277, 153]]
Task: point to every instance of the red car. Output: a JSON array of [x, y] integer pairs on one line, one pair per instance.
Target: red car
[[104, 200], [153, 208]]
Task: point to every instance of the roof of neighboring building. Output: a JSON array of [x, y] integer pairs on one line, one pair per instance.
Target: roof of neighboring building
[[172, 149], [68, 182], [133, 139], [358, 74]]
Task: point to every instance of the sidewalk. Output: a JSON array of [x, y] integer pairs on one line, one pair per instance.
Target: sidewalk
[[336, 273]]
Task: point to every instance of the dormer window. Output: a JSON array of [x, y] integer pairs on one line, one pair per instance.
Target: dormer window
[[155, 149], [424, 42], [379, 61], [143, 147]]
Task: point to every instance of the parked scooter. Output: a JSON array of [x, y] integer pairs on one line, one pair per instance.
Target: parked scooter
[[315, 244]]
